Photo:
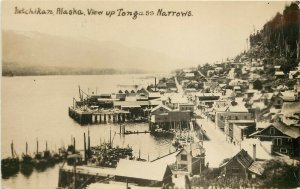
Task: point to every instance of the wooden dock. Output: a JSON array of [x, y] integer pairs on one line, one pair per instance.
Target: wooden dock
[[86, 116]]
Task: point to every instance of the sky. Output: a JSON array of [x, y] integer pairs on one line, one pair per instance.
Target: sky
[[216, 30]]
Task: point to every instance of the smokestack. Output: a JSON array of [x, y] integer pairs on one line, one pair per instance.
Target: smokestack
[[254, 152], [155, 84]]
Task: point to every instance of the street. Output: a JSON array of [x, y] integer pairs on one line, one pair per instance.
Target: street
[[217, 148]]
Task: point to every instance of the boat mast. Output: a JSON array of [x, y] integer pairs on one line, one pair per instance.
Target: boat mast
[[37, 146], [12, 149], [26, 148]]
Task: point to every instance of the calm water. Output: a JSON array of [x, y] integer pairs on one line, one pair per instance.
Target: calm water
[[35, 107]]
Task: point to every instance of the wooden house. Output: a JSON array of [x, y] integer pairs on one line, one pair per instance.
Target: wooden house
[[281, 97], [191, 158], [237, 166], [285, 139]]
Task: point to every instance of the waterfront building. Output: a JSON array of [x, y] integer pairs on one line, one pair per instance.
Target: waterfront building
[[143, 173], [174, 119]]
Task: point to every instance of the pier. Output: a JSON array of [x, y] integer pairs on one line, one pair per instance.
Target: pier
[[84, 175], [86, 116]]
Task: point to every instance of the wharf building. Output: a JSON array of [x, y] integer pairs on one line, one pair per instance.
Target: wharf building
[[115, 108]]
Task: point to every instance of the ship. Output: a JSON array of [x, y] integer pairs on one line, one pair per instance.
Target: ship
[[10, 165]]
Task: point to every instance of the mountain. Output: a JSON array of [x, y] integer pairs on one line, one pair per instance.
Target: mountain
[[43, 53]]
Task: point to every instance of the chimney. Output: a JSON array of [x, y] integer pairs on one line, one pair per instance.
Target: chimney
[[254, 152]]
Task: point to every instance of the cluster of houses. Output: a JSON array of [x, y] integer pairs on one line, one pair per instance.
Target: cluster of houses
[[245, 109], [241, 108]]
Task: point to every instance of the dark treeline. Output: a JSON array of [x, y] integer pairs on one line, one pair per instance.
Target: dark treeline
[[278, 41], [15, 69]]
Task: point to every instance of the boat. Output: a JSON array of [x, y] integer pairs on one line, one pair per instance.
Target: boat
[[161, 132], [26, 165], [10, 165], [43, 160], [108, 156]]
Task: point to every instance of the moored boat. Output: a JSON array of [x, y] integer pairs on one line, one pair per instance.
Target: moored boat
[[10, 165]]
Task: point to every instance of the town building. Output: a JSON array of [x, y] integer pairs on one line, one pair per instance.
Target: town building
[[242, 166], [238, 112], [285, 139], [191, 158]]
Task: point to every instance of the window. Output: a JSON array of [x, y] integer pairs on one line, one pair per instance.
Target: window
[[236, 117], [290, 140], [272, 131], [278, 141], [245, 117], [222, 117], [183, 157], [283, 150]]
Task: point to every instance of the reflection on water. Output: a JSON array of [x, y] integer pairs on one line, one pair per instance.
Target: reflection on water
[[35, 108]]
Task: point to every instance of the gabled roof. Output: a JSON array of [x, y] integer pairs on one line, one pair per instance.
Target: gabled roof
[[161, 106], [292, 132], [242, 157]]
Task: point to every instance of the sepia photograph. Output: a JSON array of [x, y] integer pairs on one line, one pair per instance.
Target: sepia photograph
[[150, 94]]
